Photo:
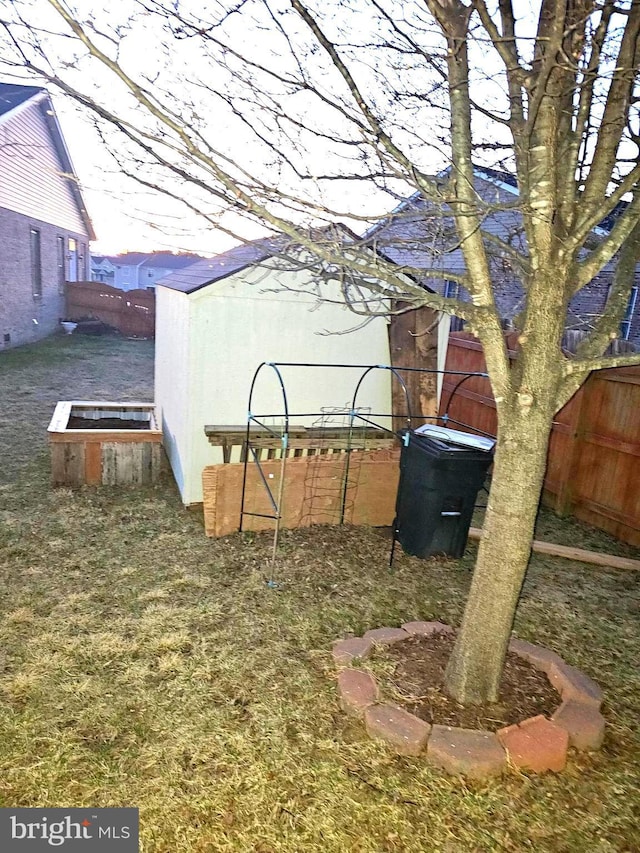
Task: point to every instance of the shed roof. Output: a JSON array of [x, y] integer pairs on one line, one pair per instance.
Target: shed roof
[[210, 270]]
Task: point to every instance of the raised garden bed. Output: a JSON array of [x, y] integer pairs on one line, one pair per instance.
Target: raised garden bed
[[104, 443]]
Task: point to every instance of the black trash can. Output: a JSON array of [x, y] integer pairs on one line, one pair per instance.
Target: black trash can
[[439, 483]]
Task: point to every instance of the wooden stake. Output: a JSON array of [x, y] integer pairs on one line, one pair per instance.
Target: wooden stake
[[582, 556]]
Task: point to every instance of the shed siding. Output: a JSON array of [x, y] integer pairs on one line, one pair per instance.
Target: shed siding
[[172, 377], [31, 177], [233, 326]]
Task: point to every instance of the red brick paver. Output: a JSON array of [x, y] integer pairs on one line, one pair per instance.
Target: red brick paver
[[583, 723], [426, 629], [358, 690], [404, 732], [475, 754], [537, 656], [536, 744], [572, 683], [386, 636], [346, 651]]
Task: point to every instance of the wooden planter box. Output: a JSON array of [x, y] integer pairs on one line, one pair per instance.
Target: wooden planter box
[[115, 455]]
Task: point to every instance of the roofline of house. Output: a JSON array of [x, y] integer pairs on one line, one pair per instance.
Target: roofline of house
[[503, 185], [51, 119]]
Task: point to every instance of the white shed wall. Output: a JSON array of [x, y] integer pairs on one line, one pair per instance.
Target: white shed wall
[[233, 326], [172, 377]]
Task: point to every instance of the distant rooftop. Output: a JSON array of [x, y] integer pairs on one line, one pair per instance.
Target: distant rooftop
[[157, 260]]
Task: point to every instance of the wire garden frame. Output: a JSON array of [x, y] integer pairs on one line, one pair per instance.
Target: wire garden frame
[[355, 418]]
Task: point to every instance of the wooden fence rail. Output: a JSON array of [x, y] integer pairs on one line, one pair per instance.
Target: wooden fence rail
[[132, 312], [593, 464]]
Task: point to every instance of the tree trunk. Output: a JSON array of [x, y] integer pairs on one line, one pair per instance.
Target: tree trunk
[[475, 667]]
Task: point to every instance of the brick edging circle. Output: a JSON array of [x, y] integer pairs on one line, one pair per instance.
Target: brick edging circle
[[537, 744]]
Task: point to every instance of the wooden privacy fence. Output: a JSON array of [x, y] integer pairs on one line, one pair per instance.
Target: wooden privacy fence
[[132, 312], [593, 464]]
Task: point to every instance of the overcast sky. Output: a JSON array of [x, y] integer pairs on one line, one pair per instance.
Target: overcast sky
[[196, 77]]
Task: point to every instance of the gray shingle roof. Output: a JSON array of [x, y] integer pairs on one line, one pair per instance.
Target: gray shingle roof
[[12, 95], [208, 271], [155, 260]]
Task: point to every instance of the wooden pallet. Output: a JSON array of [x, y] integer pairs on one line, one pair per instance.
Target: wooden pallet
[[312, 492], [301, 441]]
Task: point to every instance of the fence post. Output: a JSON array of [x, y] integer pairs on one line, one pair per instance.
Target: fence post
[[565, 495]]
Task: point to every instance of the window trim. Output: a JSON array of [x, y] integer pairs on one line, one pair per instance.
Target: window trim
[[73, 258], [625, 325], [61, 263], [35, 243], [451, 289]]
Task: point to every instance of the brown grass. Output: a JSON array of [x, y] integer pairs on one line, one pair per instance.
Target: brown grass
[[142, 664]]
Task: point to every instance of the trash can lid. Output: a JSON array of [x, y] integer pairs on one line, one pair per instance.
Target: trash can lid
[[454, 436]]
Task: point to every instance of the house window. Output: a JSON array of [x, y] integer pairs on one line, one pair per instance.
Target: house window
[[625, 326], [36, 264], [60, 261], [73, 259], [452, 291]]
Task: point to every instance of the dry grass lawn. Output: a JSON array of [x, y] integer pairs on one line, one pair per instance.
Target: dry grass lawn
[[144, 665]]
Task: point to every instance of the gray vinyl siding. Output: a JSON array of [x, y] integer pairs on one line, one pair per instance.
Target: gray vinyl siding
[[413, 237], [32, 180]]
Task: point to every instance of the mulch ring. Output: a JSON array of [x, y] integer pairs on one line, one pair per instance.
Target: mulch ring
[[418, 679]]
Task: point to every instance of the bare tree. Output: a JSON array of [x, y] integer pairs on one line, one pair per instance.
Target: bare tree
[[298, 115]]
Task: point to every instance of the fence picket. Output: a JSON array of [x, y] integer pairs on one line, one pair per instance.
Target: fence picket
[[592, 464], [132, 312]]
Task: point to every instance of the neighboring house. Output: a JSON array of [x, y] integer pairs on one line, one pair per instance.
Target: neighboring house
[[102, 269], [414, 235], [141, 270], [218, 319], [44, 225]]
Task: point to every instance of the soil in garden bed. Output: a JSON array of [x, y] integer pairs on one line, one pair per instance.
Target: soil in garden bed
[[76, 422], [419, 678]]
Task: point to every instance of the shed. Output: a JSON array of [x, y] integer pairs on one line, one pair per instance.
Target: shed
[[218, 319]]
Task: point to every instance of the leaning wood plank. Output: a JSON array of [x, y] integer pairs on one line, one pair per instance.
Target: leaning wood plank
[[312, 494], [582, 556]]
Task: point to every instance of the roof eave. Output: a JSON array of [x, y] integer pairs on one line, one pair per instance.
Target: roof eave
[[49, 114]]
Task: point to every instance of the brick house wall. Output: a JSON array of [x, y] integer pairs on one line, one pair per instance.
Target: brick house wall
[[18, 305]]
